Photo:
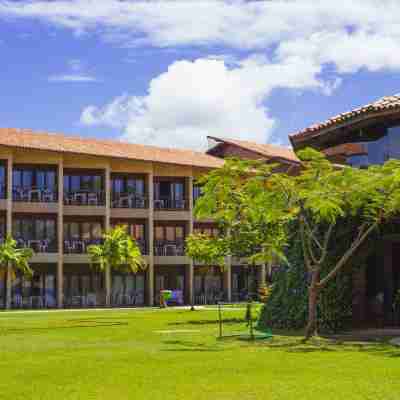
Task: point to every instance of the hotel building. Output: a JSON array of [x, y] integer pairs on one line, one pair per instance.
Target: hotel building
[[58, 194]]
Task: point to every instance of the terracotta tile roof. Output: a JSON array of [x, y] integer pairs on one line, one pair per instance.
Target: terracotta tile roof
[[265, 150], [28, 139], [389, 103]]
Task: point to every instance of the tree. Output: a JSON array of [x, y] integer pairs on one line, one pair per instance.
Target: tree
[[118, 251], [13, 260], [318, 199], [226, 199]]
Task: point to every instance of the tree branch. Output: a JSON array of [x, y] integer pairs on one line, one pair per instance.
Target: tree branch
[[355, 245]]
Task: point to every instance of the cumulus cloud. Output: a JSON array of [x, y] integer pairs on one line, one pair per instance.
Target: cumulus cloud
[[205, 97], [225, 94]]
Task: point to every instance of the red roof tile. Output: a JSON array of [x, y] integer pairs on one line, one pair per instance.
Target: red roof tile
[[265, 150], [28, 139], [389, 103]]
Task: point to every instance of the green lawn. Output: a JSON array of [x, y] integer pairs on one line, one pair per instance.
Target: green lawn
[[174, 354]]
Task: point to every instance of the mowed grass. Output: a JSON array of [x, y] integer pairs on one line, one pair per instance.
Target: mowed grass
[[174, 354]]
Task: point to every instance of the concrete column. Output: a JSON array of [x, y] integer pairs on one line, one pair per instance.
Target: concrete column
[[9, 225], [150, 244], [60, 236], [190, 274], [107, 222]]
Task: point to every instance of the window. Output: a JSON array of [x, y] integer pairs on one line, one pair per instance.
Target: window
[[39, 177], [34, 229], [83, 230], [127, 184], [74, 182], [170, 233]]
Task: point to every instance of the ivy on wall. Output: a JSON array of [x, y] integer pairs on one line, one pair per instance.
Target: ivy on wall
[[287, 305]]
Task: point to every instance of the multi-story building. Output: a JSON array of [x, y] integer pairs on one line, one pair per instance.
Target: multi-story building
[[59, 194], [368, 135]]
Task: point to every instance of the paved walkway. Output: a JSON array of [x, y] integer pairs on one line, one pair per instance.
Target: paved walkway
[[99, 309]]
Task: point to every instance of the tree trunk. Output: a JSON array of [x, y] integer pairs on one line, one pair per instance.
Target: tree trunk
[[313, 295]]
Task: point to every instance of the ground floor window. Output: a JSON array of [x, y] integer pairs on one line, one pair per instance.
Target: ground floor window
[[38, 291], [84, 289], [128, 289], [170, 278], [208, 285], [244, 283]]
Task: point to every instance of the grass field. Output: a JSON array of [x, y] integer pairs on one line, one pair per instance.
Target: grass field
[[174, 354]]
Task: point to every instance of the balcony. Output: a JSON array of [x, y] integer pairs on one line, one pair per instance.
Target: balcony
[[38, 245], [169, 248], [168, 203], [35, 194], [129, 200], [142, 246], [84, 198], [79, 246]]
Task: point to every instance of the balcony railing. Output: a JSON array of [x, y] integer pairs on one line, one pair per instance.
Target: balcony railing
[[79, 246], [84, 198], [35, 194], [38, 245], [170, 204], [128, 200], [169, 248]]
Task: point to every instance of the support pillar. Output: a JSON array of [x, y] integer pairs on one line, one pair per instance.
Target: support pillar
[[9, 225], [190, 274], [60, 236], [150, 266], [107, 218]]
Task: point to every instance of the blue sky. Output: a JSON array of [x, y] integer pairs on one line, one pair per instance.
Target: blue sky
[[169, 73]]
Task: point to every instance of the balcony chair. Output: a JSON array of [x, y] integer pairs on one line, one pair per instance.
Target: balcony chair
[[34, 195], [91, 300], [69, 246], [92, 199], [48, 196]]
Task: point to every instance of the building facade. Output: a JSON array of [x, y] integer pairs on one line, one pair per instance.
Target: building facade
[[59, 194], [368, 135]]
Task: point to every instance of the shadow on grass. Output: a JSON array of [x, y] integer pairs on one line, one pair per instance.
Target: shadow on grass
[[188, 346], [72, 324], [208, 322]]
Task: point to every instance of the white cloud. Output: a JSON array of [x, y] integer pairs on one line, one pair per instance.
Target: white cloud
[[195, 99], [222, 94], [351, 34]]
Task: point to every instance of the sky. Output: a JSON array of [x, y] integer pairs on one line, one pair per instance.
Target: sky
[[169, 73]]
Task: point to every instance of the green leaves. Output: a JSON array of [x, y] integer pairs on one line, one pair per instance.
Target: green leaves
[[17, 259], [119, 251], [255, 204]]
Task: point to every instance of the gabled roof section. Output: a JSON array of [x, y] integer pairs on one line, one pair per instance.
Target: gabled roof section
[[268, 151], [384, 106], [27, 139]]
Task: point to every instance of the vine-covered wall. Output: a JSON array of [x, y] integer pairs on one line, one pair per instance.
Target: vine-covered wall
[[287, 305]]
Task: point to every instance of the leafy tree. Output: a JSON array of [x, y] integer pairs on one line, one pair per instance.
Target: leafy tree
[[13, 260], [118, 251], [258, 205]]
